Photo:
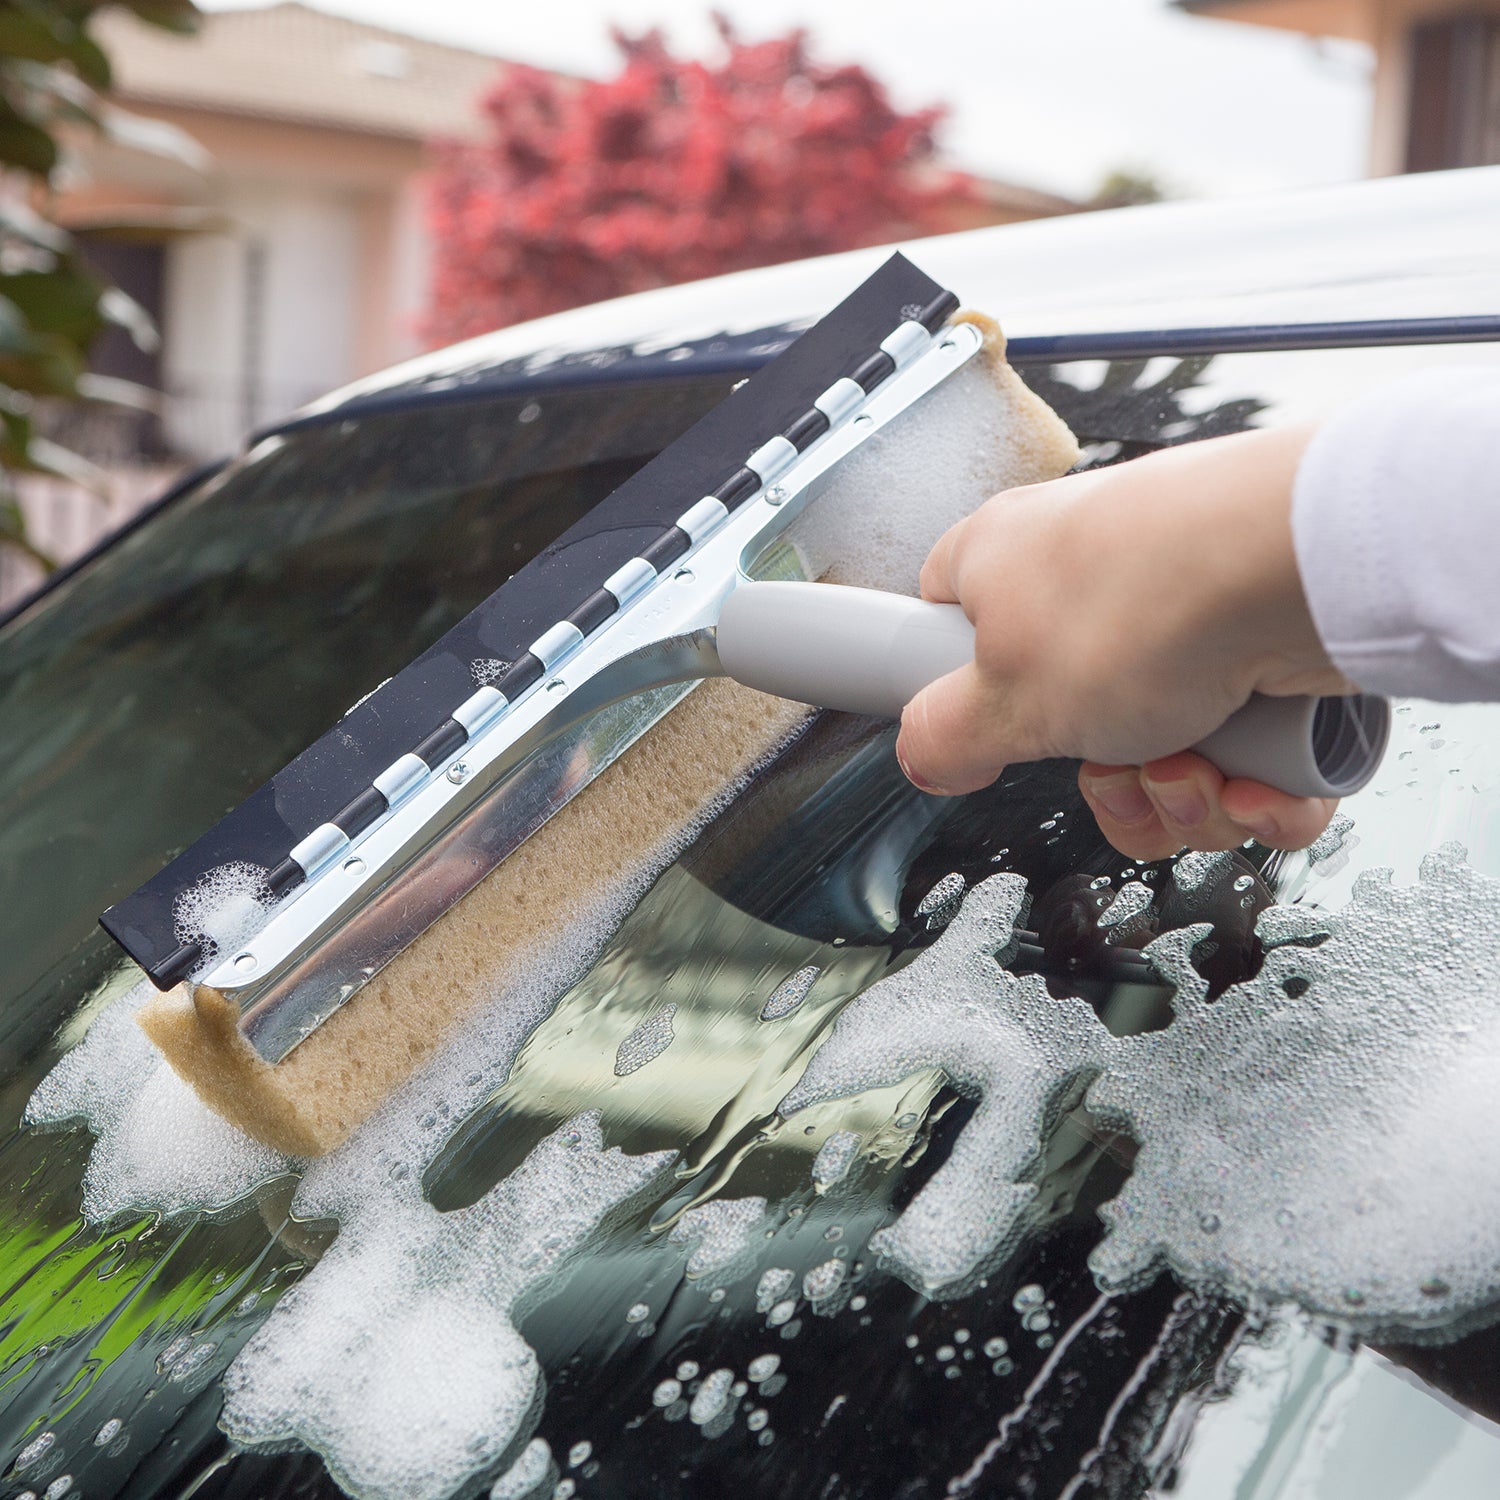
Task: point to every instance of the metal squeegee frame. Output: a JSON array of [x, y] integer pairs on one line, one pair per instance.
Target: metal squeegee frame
[[662, 634]]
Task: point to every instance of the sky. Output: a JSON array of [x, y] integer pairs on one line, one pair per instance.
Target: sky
[[1050, 93]]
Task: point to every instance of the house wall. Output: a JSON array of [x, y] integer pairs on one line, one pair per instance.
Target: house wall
[[314, 273], [1386, 25], [1392, 23]]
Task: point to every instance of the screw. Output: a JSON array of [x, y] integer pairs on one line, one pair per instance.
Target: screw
[[776, 494], [458, 773]]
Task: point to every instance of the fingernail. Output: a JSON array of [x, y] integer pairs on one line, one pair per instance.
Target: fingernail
[[1261, 827], [917, 781], [1182, 802], [1121, 797]]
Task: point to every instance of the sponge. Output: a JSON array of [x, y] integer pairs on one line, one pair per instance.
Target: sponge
[[981, 431]]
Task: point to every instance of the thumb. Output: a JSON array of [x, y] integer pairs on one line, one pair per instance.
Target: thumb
[[951, 739]]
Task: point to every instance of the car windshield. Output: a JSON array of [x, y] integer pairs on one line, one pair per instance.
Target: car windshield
[[872, 1155]]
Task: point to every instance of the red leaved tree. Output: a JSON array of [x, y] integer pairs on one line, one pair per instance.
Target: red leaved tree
[[673, 170]]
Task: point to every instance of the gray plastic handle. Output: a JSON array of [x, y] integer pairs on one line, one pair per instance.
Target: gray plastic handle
[[870, 653]]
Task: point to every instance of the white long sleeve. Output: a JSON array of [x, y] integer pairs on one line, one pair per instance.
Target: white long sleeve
[[1396, 523]]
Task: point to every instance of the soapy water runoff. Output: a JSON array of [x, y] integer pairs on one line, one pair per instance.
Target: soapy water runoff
[[1303, 1136], [1318, 1132]]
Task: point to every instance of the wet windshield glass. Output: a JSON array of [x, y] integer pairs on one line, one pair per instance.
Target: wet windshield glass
[[798, 1188], [156, 689]]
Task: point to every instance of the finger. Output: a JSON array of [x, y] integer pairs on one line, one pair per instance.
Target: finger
[[936, 580], [1273, 818], [1186, 790], [952, 740], [1125, 814]]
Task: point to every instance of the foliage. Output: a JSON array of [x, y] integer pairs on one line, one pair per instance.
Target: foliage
[[53, 77], [1126, 187], [672, 170]]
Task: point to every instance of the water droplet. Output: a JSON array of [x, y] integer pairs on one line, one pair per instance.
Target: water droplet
[[944, 1353], [757, 1419], [579, 1453], [1036, 1320], [687, 1369], [1435, 1286], [1099, 883], [1353, 1296], [994, 1348], [1044, 1341], [638, 1314], [790, 993], [781, 1313], [37, 1448], [912, 1341], [666, 1393], [1209, 1223], [961, 1336], [109, 1432], [1027, 1297], [1003, 1366], [1244, 882]]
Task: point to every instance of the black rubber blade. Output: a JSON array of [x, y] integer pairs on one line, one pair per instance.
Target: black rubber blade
[[338, 769]]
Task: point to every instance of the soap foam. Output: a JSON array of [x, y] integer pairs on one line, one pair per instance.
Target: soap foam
[[646, 1043], [158, 1148], [397, 1358], [722, 1232], [1324, 1132], [835, 1156], [1002, 1040], [226, 906]]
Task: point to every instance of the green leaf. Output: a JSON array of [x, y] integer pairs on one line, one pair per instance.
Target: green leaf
[[26, 146], [64, 301], [25, 224], [125, 312], [110, 390], [172, 15], [153, 137], [13, 532], [46, 35], [43, 456]]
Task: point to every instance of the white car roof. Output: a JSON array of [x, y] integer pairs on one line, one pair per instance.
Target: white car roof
[[1423, 246]]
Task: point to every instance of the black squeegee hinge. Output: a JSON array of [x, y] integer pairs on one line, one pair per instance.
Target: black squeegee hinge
[[331, 839]]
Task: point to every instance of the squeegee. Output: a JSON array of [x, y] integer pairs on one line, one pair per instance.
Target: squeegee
[[365, 851]]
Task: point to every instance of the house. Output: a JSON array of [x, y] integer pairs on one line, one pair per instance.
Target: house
[[307, 264], [292, 257], [1437, 71]]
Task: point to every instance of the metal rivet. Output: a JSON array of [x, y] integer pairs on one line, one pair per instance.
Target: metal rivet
[[556, 685], [684, 575], [245, 962], [354, 866], [457, 773], [777, 493]]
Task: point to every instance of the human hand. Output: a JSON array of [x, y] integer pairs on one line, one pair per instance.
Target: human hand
[[1119, 615]]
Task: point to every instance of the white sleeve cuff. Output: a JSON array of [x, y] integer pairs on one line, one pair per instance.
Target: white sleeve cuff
[[1396, 524]]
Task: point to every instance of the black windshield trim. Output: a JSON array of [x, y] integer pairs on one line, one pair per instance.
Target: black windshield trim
[[737, 358], [189, 481]]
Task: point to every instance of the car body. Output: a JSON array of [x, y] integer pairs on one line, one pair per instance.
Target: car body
[[154, 684]]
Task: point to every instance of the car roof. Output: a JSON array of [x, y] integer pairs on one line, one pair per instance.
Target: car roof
[[1416, 248]]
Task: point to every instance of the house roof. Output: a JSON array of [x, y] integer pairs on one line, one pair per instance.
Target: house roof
[[1343, 18], [291, 62]]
